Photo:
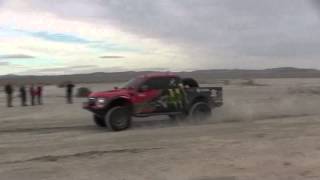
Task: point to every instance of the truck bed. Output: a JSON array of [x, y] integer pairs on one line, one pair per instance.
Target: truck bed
[[214, 95]]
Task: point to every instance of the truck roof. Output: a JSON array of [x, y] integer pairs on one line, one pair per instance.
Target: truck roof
[[159, 74]]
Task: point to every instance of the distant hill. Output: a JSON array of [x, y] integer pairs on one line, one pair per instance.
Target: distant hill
[[202, 75]]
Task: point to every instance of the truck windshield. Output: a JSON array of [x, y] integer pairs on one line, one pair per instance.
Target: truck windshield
[[133, 83]]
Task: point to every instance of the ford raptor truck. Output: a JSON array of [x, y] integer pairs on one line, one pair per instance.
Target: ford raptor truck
[[151, 95]]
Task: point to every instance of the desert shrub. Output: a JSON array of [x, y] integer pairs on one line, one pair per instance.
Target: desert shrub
[[251, 82], [62, 85], [226, 82], [215, 81], [83, 92], [305, 90]]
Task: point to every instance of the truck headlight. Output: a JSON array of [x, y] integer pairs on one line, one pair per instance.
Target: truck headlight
[[101, 102]]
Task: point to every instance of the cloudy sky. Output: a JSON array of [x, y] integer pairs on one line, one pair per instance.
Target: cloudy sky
[[80, 36]]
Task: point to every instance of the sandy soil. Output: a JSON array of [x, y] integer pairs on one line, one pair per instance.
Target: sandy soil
[[262, 132]]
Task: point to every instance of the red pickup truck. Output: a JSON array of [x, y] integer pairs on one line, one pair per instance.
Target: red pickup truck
[[151, 95]]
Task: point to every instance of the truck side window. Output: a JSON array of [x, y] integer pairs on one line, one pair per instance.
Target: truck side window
[[158, 83]]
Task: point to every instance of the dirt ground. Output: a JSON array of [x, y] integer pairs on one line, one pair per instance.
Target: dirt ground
[[269, 130]]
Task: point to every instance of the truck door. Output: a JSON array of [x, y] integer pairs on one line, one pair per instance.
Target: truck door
[[159, 95], [175, 96]]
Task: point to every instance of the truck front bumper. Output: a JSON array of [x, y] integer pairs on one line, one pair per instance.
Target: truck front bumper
[[96, 110]]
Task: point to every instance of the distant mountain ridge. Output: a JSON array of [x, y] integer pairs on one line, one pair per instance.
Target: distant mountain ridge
[[202, 75]]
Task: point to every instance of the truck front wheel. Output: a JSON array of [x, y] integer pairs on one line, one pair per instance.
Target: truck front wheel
[[200, 110], [118, 118]]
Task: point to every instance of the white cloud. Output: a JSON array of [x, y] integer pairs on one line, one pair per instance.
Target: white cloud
[[74, 54]]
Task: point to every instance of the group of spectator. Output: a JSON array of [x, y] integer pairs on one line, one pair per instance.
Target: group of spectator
[[35, 92]]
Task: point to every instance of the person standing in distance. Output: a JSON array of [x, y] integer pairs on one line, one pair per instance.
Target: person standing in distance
[[23, 95], [69, 92], [8, 89], [39, 94]]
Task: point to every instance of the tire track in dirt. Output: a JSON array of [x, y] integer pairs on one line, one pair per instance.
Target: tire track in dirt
[[268, 117], [47, 129], [88, 154], [144, 124]]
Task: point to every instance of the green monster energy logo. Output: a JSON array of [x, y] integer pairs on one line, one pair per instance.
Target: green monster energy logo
[[175, 98]]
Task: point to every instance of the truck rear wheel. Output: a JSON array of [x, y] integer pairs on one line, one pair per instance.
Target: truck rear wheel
[[118, 118], [99, 121], [200, 110]]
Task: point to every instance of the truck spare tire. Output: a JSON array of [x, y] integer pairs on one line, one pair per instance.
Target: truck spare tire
[[190, 82]]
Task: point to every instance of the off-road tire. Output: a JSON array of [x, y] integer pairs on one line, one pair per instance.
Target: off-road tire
[[200, 111], [118, 118], [99, 121]]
